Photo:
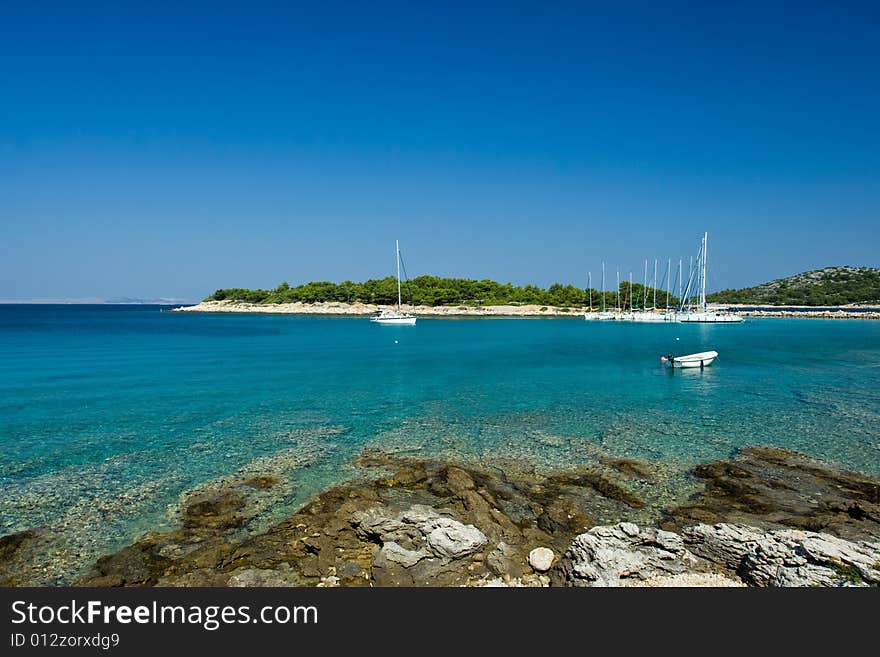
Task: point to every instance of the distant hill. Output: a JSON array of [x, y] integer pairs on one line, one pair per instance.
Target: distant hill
[[155, 301], [832, 286]]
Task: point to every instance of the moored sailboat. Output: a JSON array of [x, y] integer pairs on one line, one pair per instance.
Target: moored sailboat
[[395, 316], [700, 313]]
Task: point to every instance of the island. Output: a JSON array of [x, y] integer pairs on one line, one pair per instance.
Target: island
[[842, 292]]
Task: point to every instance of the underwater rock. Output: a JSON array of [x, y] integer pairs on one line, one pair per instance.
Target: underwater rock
[[11, 546]]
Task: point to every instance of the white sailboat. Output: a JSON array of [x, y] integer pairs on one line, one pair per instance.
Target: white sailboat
[[650, 315], [602, 315], [701, 313], [692, 308], [395, 317]]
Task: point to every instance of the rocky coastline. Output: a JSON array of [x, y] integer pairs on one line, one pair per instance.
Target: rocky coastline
[[840, 313], [765, 517], [366, 309], [332, 308]]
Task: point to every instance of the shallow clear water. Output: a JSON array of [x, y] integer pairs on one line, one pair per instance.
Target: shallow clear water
[[128, 404]]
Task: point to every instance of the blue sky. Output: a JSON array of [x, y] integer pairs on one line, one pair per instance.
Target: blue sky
[[168, 149]]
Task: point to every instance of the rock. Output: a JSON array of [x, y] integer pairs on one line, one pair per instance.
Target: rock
[[405, 522], [454, 540], [504, 560], [458, 480], [541, 559], [419, 545], [140, 564], [249, 577], [691, 580], [12, 543], [415, 522], [528, 581], [496, 583], [620, 554], [423, 528], [560, 515], [772, 488], [421, 522], [786, 557], [394, 553]]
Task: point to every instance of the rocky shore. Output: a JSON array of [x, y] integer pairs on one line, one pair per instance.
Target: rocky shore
[[809, 314], [365, 309], [765, 517]]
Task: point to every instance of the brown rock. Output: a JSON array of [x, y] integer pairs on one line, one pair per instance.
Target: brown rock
[[771, 487]]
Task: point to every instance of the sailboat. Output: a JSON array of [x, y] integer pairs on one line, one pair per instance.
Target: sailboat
[[700, 314], [395, 317], [603, 315], [650, 315]]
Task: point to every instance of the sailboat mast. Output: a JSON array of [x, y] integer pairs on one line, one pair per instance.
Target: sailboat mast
[[397, 252], [630, 291], [690, 278], [603, 286], [668, 280], [645, 288], [590, 288], [703, 273], [679, 281], [618, 289], [655, 283]]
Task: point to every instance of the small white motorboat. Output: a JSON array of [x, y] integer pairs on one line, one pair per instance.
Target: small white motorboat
[[701, 360]]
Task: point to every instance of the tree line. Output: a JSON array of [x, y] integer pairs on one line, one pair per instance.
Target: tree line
[[436, 291]]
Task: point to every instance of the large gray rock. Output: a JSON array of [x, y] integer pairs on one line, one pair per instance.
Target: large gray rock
[[420, 528], [394, 553], [419, 544], [621, 554], [786, 557], [453, 540]]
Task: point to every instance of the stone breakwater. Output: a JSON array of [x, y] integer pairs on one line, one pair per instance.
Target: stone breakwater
[[765, 517], [810, 314]]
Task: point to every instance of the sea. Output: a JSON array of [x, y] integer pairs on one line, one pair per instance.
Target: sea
[[111, 414]]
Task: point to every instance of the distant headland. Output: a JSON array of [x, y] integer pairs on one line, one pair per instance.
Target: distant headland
[[831, 286]]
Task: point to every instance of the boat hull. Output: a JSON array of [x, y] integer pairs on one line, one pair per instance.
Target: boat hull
[[708, 318], [690, 364], [394, 321], [702, 359], [601, 316], [650, 317]]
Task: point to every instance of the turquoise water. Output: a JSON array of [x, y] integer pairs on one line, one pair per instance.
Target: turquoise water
[[109, 413]]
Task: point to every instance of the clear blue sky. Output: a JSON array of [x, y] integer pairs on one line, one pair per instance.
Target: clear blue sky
[[168, 149]]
